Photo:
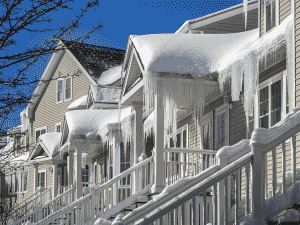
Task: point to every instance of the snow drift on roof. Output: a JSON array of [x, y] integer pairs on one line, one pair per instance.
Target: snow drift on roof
[[21, 160], [78, 104], [89, 123], [110, 76], [190, 53], [105, 94], [51, 141]]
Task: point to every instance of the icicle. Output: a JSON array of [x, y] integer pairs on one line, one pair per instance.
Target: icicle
[[222, 75], [237, 80], [245, 12], [290, 49]]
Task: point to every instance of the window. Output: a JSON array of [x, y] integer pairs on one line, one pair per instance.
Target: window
[[58, 127], [125, 161], [272, 96], [207, 131], [68, 88], [85, 174], [60, 86], [42, 179], [222, 126], [270, 15], [64, 89], [39, 132], [18, 145]]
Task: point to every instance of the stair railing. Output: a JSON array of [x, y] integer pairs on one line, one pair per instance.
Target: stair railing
[[48, 207], [185, 162], [106, 196]]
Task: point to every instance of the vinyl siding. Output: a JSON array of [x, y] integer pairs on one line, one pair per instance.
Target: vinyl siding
[[284, 9], [261, 18]]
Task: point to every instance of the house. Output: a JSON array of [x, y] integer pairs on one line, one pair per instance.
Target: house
[[218, 107], [66, 79]]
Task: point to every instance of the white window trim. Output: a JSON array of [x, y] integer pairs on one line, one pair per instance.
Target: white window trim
[[219, 111], [276, 16], [208, 118], [63, 92], [43, 171], [65, 89], [279, 76], [40, 128], [56, 125]]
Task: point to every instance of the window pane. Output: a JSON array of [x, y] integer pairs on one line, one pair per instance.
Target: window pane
[[264, 121], [221, 130], [206, 136], [171, 143], [25, 182], [60, 85], [37, 134], [68, 88], [276, 116], [184, 139], [68, 83], [264, 101], [43, 131], [276, 95], [43, 179], [178, 141]]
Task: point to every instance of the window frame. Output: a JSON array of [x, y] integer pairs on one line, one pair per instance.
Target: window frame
[[268, 83], [206, 119], [56, 125], [65, 89], [276, 15], [39, 172], [220, 110], [63, 84], [39, 129]]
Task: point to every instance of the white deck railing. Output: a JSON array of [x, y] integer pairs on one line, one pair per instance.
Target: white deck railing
[[186, 162], [48, 207], [85, 209], [179, 205]]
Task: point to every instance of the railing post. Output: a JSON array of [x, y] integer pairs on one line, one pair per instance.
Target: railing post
[[258, 181], [93, 202], [223, 162]]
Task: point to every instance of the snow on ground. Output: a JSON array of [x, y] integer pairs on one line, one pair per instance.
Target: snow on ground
[[51, 141], [106, 94], [110, 76], [89, 123], [78, 104]]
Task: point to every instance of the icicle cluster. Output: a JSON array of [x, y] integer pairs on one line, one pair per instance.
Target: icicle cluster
[[246, 66], [127, 129], [177, 93], [245, 12]]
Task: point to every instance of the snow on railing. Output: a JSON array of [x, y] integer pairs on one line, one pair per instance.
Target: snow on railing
[[106, 196], [185, 162], [48, 207]]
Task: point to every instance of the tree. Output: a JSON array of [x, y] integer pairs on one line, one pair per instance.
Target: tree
[[18, 17]]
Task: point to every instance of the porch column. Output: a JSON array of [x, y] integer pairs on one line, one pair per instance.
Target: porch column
[[55, 179], [70, 162], [78, 174], [138, 132], [159, 140], [36, 175]]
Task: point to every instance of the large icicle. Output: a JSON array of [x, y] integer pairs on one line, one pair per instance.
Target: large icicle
[[245, 12], [237, 80], [290, 63]]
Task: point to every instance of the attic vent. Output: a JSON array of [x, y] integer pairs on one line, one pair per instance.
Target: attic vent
[[196, 32]]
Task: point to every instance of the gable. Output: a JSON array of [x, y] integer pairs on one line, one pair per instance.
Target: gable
[[39, 153]]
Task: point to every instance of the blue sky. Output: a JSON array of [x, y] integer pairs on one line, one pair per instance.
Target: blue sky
[[120, 18]]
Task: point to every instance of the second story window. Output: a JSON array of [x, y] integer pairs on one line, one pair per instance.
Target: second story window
[[58, 127], [270, 9], [39, 132], [60, 86], [68, 88]]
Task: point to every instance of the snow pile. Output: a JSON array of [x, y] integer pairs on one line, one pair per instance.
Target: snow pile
[[288, 180], [110, 76], [101, 221], [106, 94], [88, 124], [228, 151], [291, 215], [51, 141], [78, 104], [21, 160]]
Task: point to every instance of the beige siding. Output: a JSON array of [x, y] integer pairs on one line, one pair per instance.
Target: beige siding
[[261, 18], [284, 9], [48, 112]]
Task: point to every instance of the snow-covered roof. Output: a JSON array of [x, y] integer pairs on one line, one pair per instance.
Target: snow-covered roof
[[110, 76], [105, 94], [51, 141], [89, 123], [20, 160], [197, 54], [78, 104]]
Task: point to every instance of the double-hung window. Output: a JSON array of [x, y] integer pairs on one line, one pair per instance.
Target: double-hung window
[[222, 126], [85, 174], [42, 179], [207, 131], [64, 89], [271, 98], [270, 15], [39, 132]]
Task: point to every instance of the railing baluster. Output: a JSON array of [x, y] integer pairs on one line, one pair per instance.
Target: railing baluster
[[215, 204], [237, 195], [183, 213], [247, 167], [293, 158], [188, 158], [274, 172], [197, 163], [194, 211], [204, 207], [226, 212], [202, 162]]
